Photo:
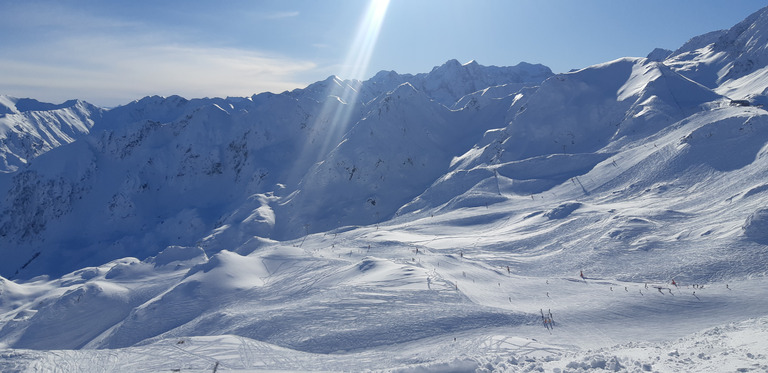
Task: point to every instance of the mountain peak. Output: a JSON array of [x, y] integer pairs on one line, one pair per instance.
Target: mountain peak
[[7, 104], [750, 33], [452, 64], [719, 57], [384, 75], [405, 88], [14, 105], [659, 54]]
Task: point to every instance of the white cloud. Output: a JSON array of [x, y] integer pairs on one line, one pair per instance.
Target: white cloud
[[278, 15], [109, 71], [62, 53]]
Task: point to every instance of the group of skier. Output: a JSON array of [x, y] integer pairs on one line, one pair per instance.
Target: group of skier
[[548, 320]]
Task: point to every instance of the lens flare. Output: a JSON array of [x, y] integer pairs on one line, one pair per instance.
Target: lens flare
[[341, 99], [360, 52], [355, 65]]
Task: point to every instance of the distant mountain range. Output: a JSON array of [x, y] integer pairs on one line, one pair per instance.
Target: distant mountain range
[[215, 172], [161, 171], [29, 128]]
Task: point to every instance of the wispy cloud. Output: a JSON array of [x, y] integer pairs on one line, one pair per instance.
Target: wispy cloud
[[112, 62], [108, 73], [279, 15]]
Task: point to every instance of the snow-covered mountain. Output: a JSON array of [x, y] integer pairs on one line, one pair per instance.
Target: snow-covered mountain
[[29, 128], [570, 124], [469, 218], [142, 180], [732, 62]]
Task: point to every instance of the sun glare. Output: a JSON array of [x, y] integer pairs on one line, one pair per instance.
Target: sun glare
[[359, 55], [342, 98]]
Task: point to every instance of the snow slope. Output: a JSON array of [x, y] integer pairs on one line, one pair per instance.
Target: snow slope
[[610, 218]]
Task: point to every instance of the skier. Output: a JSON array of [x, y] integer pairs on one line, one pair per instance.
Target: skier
[[581, 274], [674, 283], [551, 319]]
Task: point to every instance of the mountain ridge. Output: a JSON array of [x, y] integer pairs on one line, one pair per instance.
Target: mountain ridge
[[29, 128], [215, 139]]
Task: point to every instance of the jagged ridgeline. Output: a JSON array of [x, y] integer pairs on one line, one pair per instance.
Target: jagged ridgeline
[[171, 171], [84, 185]]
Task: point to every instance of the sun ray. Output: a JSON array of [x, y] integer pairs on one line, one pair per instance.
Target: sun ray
[[355, 65], [342, 96]]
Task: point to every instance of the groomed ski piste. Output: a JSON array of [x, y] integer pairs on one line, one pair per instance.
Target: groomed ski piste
[[401, 296], [612, 218]]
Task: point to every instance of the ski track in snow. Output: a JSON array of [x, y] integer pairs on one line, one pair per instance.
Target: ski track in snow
[[406, 313]]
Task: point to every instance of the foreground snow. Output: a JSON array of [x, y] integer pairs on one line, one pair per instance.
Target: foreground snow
[[732, 347], [393, 297], [591, 334]]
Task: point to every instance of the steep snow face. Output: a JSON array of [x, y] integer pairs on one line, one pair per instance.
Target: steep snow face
[[400, 147], [133, 189], [451, 81], [29, 128], [571, 123], [582, 111], [727, 60]]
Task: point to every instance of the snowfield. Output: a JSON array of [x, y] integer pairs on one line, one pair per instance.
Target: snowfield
[[613, 218]]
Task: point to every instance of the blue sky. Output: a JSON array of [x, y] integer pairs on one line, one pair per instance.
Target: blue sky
[[113, 52]]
